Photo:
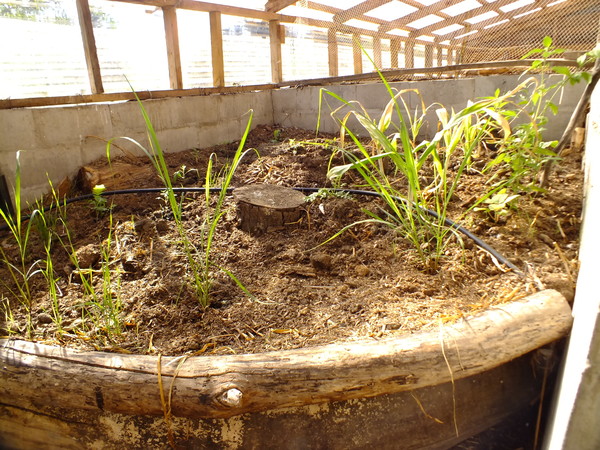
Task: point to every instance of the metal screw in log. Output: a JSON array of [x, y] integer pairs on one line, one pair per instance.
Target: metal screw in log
[[266, 207]]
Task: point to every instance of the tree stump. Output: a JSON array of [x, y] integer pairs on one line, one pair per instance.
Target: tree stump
[[266, 207]]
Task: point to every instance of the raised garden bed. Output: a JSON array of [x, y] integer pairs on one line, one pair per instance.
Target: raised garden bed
[[303, 332]]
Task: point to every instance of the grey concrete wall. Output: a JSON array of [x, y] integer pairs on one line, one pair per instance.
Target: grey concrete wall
[[298, 107], [56, 141], [576, 411]]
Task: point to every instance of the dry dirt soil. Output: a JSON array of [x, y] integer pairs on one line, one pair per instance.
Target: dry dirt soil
[[366, 283]]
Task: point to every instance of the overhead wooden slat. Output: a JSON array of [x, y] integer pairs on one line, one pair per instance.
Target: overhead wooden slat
[[511, 29], [278, 5], [216, 47], [461, 19], [172, 40], [89, 46], [357, 11]]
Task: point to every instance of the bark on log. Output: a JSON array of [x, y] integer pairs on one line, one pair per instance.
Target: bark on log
[[41, 376], [266, 207]]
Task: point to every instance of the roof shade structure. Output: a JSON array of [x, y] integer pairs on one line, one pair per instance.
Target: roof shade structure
[[479, 30], [224, 45]]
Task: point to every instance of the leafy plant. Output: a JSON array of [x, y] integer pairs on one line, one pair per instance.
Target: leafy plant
[[98, 202], [498, 204], [522, 155], [185, 173]]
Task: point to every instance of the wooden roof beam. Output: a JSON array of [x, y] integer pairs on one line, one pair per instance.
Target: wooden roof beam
[[356, 12], [278, 5], [462, 18], [539, 17], [502, 16]]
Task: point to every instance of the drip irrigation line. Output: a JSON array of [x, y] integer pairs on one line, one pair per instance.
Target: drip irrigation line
[[479, 242]]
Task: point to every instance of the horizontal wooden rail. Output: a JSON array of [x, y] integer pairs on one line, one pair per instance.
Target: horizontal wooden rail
[[453, 70]]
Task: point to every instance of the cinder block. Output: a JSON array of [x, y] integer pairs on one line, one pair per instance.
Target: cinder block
[[56, 126], [94, 122], [126, 118], [284, 104], [485, 86], [16, 130], [178, 139], [197, 110], [39, 165]]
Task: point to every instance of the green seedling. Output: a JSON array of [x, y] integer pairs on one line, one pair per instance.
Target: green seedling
[[199, 259], [98, 202], [498, 204], [22, 269]]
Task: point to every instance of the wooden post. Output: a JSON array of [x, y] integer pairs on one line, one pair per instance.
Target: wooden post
[[172, 39], [216, 47], [409, 54], [332, 52], [440, 55], [429, 56], [275, 38], [394, 50], [449, 57], [357, 54], [377, 52], [89, 46]]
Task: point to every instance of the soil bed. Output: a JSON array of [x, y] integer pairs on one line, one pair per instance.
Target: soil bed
[[366, 283]]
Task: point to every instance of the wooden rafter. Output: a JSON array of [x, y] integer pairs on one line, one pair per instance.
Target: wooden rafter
[[278, 5], [481, 26]]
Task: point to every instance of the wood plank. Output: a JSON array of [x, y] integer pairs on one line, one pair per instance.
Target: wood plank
[[357, 53], [172, 39], [275, 43], [356, 12], [89, 46], [216, 48], [230, 385], [278, 5], [332, 52]]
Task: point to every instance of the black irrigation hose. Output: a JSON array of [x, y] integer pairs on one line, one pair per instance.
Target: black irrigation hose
[[480, 243]]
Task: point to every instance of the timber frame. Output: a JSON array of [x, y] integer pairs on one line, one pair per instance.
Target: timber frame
[[443, 53]]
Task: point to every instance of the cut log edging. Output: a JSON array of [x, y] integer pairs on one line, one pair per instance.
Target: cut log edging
[[223, 386]]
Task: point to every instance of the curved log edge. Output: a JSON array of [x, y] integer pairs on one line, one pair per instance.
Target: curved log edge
[[224, 386]]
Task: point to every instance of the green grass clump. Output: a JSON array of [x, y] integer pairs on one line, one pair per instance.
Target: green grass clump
[[198, 258]]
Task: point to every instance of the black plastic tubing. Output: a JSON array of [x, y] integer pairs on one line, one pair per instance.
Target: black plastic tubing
[[479, 242]]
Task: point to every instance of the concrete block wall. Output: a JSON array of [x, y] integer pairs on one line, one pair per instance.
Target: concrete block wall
[[298, 107], [56, 141]]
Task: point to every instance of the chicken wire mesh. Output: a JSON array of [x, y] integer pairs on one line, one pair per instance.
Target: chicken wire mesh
[[438, 33]]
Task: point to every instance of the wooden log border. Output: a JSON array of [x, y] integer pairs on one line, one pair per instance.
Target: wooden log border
[[40, 376]]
